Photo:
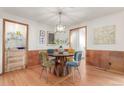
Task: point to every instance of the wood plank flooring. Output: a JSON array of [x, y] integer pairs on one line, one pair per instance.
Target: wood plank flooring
[[90, 76]]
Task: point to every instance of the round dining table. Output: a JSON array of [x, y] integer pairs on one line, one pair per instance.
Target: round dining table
[[60, 61]]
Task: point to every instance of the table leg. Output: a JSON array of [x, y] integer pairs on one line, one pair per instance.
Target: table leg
[[60, 68]]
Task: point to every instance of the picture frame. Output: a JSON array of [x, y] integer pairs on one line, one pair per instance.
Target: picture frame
[[105, 35], [50, 38], [42, 37]]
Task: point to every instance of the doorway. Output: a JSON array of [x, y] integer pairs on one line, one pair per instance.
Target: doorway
[[15, 45], [78, 39]]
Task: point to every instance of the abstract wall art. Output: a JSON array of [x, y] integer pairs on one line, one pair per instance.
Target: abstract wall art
[[105, 35]]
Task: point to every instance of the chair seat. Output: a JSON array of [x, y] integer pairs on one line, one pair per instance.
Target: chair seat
[[48, 63], [72, 64]]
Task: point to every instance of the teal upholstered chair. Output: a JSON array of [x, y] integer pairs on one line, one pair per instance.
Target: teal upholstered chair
[[76, 63], [45, 63], [51, 51]]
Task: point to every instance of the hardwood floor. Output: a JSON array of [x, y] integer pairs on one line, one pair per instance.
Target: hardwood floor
[[90, 76]]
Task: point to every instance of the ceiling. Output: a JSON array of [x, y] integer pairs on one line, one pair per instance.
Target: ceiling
[[70, 16]]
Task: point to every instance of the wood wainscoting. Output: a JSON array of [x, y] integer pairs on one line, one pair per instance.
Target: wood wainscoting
[[108, 60], [33, 58]]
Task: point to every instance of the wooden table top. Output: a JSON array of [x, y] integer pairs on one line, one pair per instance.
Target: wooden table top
[[60, 55]]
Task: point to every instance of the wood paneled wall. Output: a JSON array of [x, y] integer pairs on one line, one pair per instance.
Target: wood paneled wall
[[33, 58], [107, 60]]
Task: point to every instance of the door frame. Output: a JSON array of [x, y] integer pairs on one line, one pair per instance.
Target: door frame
[[85, 38], [3, 43]]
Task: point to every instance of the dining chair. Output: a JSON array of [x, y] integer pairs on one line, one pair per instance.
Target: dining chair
[[51, 51], [74, 65], [70, 51], [45, 63]]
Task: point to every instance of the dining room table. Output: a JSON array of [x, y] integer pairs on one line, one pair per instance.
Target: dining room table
[[60, 63]]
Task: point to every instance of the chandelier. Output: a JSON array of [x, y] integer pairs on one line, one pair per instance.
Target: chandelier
[[59, 26]]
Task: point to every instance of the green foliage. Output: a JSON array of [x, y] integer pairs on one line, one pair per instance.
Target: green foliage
[[59, 42]]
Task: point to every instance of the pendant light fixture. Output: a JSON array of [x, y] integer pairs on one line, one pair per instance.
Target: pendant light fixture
[[59, 26]]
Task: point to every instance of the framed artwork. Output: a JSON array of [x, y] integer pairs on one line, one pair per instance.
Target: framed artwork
[[50, 38], [42, 37], [105, 35]]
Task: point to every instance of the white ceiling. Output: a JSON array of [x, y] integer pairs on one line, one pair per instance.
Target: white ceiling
[[71, 15]]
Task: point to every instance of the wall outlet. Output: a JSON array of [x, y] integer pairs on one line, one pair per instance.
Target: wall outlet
[[110, 63]]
